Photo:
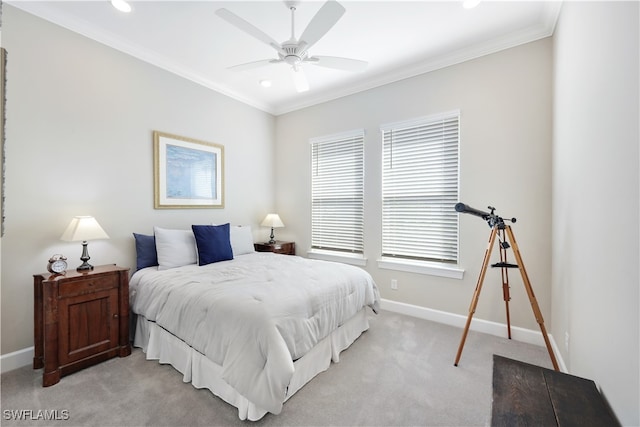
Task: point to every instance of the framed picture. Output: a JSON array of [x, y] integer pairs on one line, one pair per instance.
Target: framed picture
[[187, 173]]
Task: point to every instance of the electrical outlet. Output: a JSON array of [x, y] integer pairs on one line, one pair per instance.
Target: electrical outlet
[[394, 284], [566, 341]]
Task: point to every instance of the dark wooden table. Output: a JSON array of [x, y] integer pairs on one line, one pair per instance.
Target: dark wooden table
[[529, 395]]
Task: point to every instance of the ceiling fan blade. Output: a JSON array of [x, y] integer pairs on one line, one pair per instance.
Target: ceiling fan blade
[[248, 28], [254, 64], [299, 79], [336, 62], [327, 16]]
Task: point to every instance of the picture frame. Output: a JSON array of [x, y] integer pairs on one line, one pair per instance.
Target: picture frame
[[188, 173]]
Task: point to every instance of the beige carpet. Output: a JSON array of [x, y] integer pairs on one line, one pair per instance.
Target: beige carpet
[[398, 373]]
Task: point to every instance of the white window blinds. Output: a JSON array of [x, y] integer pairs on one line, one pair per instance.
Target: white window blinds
[[420, 188], [337, 192]]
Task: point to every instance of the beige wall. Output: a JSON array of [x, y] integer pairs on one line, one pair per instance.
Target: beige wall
[[80, 118], [596, 215], [505, 105]]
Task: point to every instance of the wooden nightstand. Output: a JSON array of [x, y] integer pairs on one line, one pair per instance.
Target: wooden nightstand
[[279, 247], [80, 319]]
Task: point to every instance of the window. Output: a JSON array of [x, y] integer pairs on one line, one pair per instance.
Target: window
[[420, 189], [337, 192]]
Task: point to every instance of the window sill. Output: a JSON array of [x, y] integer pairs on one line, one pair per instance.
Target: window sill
[[422, 267], [355, 259]]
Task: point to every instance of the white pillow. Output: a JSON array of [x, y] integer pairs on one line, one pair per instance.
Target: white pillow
[[241, 239], [175, 248]]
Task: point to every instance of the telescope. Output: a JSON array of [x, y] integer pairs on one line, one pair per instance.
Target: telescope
[[505, 237], [491, 218]]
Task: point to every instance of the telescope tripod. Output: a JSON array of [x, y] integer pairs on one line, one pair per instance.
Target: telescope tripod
[[499, 230]]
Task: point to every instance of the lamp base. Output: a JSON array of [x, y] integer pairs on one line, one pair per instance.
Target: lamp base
[[85, 267], [272, 239], [84, 258]]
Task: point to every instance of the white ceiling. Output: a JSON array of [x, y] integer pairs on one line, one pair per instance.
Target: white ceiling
[[399, 39]]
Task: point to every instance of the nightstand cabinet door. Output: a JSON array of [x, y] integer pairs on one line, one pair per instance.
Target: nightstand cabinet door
[[88, 325], [80, 319]]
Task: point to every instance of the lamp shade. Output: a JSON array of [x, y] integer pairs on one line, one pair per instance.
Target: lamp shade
[[272, 220], [83, 228]]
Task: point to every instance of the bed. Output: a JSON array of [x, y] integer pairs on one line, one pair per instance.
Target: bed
[[252, 327]]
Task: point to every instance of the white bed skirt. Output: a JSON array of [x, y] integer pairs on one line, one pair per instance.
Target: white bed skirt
[[158, 344]]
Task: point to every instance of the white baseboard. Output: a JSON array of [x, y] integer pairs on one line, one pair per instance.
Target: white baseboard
[[478, 325], [24, 357], [17, 359]]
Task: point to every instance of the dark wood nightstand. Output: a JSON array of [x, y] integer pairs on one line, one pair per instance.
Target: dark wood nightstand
[[279, 247], [80, 319]]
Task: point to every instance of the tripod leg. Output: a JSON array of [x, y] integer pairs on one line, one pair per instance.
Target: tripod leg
[[505, 280], [476, 293], [532, 298]]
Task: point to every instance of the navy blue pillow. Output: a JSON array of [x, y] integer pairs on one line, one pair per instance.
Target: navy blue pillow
[[146, 255], [213, 242]]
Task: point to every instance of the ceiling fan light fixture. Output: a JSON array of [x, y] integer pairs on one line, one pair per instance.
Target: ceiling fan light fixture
[[292, 60], [121, 5]]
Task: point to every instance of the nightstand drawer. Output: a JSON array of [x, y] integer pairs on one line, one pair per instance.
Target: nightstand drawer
[[88, 285]]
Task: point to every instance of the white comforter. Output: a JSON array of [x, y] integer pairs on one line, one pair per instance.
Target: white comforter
[[254, 315]]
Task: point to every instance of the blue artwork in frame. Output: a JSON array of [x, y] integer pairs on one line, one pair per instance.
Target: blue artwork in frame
[[188, 172]]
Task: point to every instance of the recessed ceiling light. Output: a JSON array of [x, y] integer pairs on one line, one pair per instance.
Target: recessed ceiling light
[[121, 5], [470, 4], [265, 83]]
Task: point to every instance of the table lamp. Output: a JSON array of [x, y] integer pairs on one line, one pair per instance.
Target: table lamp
[[272, 220], [82, 229]]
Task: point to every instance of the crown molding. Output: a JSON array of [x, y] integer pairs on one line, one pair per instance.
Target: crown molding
[[545, 29], [495, 45]]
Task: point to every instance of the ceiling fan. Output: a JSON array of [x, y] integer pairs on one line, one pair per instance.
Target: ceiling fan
[[295, 52]]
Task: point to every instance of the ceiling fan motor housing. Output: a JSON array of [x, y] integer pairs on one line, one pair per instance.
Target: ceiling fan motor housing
[[293, 54]]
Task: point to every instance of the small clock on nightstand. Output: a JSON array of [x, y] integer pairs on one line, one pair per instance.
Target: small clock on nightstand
[[57, 264], [279, 247]]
